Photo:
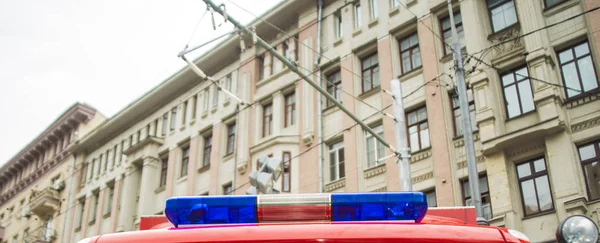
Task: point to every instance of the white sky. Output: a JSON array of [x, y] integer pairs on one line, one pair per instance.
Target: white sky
[[104, 53]]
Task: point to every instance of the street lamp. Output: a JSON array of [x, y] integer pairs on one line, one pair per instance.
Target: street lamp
[[262, 180]]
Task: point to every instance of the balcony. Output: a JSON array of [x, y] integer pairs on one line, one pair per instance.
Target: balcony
[[45, 202], [42, 234]]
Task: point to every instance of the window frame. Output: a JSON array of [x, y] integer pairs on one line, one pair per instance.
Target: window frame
[[184, 107], [546, 6], [482, 194], [442, 30], [286, 168], [394, 4], [336, 151], [289, 106], [456, 107], [173, 118], [513, 72], [574, 61], [206, 99], [428, 192], [379, 129], [165, 123], [369, 69], [194, 102], [374, 13], [357, 16], [410, 49], [185, 160], [163, 172], [227, 186], [109, 200], [533, 176], [267, 118], [502, 2], [583, 163], [418, 125], [231, 129], [339, 25], [207, 150], [336, 85], [215, 99]]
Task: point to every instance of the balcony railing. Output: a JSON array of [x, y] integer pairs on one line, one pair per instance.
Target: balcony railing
[[41, 235]]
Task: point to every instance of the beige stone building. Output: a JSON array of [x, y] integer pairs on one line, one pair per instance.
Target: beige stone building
[[533, 100], [35, 183]]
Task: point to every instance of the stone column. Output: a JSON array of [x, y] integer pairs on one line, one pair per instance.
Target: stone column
[[150, 171], [114, 218], [171, 170], [152, 131], [499, 188], [128, 199], [100, 210]]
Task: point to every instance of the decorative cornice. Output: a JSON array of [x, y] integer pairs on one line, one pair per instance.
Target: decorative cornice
[[585, 124], [582, 101], [420, 156], [422, 177], [461, 142], [375, 170], [463, 164], [335, 185], [383, 189], [524, 150]]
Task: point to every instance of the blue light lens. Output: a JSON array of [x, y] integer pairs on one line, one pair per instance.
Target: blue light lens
[[378, 206], [211, 210]]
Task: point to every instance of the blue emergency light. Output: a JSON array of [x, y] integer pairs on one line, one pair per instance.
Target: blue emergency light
[[238, 209]]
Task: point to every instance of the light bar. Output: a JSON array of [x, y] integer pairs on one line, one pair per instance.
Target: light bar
[[337, 207]]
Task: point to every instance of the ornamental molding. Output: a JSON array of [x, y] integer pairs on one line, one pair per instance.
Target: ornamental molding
[[524, 150], [375, 170], [463, 164], [420, 156], [383, 189], [334, 185], [585, 124], [423, 177]]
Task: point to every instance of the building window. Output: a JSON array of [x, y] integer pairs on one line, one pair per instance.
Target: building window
[[96, 198], [339, 25], [334, 87], [517, 92], [577, 68], [458, 124], [164, 165], [185, 159], [485, 195], [418, 129], [173, 118], [230, 138], [589, 155], [357, 16], [552, 3], [286, 172], [26, 236], [447, 31], [228, 83], [215, 100], [261, 67], [165, 123], [267, 120], [227, 189], [206, 99], [535, 188], [375, 149], [109, 202], [410, 53], [207, 150], [373, 6], [81, 212], [193, 101], [502, 13], [101, 164], [336, 161], [184, 113], [114, 157], [84, 172], [370, 72], [394, 4], [92, 169], [431, 198], [290, 110]]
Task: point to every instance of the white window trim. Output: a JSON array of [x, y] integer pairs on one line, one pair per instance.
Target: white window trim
[[379, 130], [337, 157]]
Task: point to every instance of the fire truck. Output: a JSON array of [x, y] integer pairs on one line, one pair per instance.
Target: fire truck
[[326, 217]]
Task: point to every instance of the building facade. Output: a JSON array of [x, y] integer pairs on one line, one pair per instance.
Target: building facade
[[533, 94], [36, 182]]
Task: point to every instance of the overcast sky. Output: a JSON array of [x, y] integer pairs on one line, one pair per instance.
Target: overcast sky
[[105, 53]]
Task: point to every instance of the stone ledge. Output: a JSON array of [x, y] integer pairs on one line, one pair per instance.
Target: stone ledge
[[585, 124], [421, 155], [422, 177], [383, 189], [463, 164]]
